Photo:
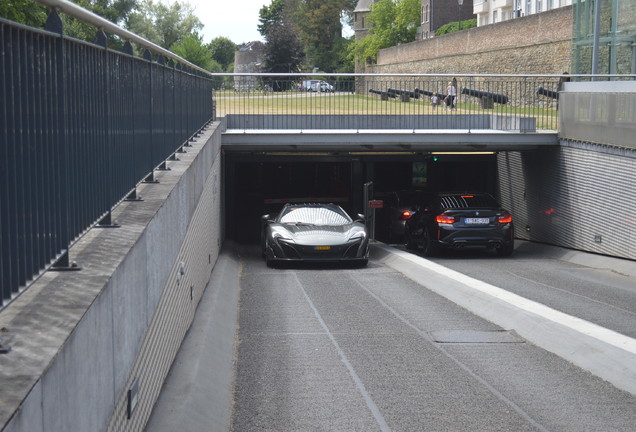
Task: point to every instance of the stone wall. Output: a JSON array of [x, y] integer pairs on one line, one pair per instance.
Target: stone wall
[[91, 348], [534, 44]]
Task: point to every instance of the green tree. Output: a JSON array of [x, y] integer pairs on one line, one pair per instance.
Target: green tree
[[283, 52], [222, 50], [321, 30], [164, 24], [34, 14], [392, 23], [408, 16], [115, 11], [270, 16], [25, 12], [193, 50], [452, 27], [318, 24], [345, 63]]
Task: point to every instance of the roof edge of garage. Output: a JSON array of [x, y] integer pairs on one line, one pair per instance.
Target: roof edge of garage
[[385, 140]]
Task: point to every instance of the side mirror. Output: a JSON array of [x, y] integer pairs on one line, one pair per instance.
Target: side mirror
[[360, 218]]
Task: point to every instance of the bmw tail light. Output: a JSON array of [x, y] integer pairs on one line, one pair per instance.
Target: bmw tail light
[[406, 215], [505, 218], [444, 219]]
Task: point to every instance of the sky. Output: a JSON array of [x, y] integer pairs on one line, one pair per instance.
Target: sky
[[236, 20]]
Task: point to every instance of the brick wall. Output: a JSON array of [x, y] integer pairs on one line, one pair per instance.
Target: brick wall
[[534, 44]]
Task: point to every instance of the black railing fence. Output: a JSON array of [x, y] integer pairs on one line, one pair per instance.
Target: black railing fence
[[81, 126], [417, 101], [524, 103]]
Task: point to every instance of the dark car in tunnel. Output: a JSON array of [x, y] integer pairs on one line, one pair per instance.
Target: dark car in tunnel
[[460, 220], [398, 207], [317, 232]]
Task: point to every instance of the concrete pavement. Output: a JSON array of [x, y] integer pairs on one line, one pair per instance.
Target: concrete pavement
[[198, 392]]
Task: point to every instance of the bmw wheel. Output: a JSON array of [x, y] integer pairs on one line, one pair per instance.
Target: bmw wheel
[[431, 248], [409, 242]]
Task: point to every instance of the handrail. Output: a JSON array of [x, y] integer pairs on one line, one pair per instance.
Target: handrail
[[78, 137], [416, 75], [101, 23]]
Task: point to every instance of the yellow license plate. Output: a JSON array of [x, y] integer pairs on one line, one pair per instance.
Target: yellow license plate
[[323, 247]]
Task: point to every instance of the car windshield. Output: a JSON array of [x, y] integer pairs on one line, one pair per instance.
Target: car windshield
[[467, 201], [315, 216]]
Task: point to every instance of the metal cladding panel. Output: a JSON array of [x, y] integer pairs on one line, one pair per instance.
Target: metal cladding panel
[[599, 112], [579, 196]]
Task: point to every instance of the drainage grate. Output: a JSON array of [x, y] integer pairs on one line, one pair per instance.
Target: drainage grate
[[475, 337]]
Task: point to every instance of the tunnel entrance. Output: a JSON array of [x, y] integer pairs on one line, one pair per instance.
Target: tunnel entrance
[[260, 183]]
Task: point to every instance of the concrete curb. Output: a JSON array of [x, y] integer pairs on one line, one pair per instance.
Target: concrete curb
[[621, 266], [605, 353]]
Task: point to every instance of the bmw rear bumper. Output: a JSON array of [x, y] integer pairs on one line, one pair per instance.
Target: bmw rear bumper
[[451, 237]]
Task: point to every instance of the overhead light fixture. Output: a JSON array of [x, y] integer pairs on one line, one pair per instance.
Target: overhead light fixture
[[464, 153]]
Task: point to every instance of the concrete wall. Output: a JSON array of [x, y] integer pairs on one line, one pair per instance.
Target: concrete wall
[[79, 339], [534, 44], [405, 121], [579, 196]]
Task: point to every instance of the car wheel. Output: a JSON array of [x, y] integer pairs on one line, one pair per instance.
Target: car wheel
[[409, 242], [270, 263], [506, 249], [431, 248]]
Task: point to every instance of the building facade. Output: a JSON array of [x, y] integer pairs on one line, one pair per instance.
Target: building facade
[[361, 25], [494, 11], [436, 13], [248, 59]]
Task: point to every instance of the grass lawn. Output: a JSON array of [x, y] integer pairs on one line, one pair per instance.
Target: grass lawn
[[294, 102]]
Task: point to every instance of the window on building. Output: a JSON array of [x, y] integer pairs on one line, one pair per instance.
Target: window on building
[[539, 6], [548, 5], [494, 16]]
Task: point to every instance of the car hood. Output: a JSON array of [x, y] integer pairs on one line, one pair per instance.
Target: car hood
[[320, 234]]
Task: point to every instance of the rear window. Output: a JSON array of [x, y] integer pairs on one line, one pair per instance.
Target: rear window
[[467, 201]]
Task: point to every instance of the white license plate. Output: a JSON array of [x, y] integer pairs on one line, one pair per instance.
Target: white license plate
[[477, 221]]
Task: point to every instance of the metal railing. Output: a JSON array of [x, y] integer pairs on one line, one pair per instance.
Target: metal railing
[[526, 103], [81, 126]]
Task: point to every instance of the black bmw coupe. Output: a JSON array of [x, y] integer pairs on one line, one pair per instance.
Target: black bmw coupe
[[460, 220], [314, 232]]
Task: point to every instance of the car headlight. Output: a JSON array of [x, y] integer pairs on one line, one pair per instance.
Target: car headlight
[[279, 234]]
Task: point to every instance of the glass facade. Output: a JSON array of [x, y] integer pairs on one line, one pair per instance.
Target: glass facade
[[616, 36]]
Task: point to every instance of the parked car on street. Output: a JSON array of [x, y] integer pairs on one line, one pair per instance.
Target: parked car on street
[[460, 220], [314, 232], [306, 85], [322, 86]]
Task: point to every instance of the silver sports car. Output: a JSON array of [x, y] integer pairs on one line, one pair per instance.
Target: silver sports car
[[314, 232]]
